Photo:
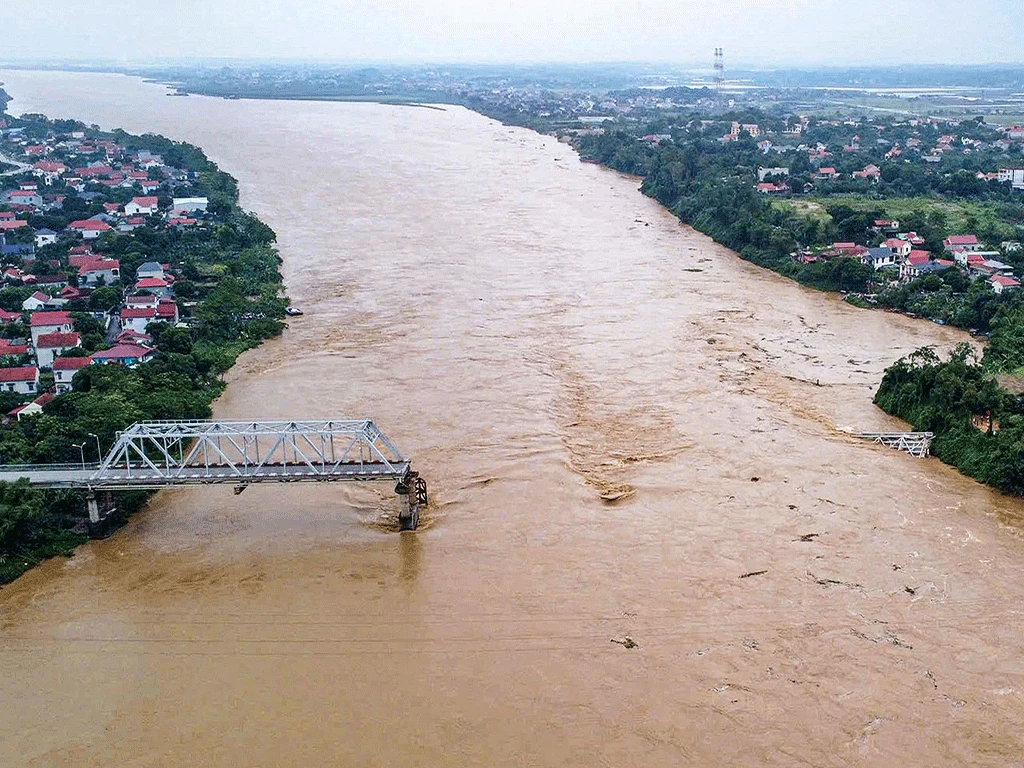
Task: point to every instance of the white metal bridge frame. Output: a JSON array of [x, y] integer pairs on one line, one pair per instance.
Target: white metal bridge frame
[[915, 443], [242, 452]]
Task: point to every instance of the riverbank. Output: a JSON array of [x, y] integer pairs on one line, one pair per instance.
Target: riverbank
[[219, 293]]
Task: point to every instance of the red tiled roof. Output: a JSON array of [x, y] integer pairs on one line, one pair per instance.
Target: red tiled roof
[[6, 348], [24, 373], [97, 264], [71, 363], [37, 319], [961, 240], [52, 340], [918, 257], [133, 313], [145, 202], [1003, 280], [90, 225], [122, 351], [151, 282]]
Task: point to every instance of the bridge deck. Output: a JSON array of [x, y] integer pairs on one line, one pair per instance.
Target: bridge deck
[[73, 476]]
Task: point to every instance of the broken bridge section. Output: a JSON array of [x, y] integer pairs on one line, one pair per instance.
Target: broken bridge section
[[915, 443], [161, 454]]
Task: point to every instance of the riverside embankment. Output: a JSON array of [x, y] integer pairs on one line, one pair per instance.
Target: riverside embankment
[[533, 332]]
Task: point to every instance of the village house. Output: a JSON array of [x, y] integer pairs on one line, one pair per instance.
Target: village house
[[1002, 283], [25, 197], [49, 171], [142, 206], [877, 258], [8, 347], [872, 172], [90, 229], [45, 237], [961, 243], [910, 267], [137, 318], [124, 354], [23, 380], [51, 345], [900, 248], [155, 285], [42, 323], [150, 269], [37, 300], [64, 370], [31, 409], [768, 188], [99, 271], [167, 311]]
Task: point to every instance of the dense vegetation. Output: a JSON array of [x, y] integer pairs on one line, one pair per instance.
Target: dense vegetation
[[230, 294], [942, 397]]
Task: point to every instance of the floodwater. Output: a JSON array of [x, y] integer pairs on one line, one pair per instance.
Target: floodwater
[[534, 333]]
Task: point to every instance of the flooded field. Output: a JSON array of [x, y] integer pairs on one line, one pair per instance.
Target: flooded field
[[538, 337]]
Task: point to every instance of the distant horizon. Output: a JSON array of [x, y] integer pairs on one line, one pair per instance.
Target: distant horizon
[[678, 33], [742, 66]]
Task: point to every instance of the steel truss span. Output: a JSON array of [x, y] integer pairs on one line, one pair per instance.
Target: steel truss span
[[159, 454]]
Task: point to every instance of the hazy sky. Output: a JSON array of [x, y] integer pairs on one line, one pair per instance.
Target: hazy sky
[[684, 31]]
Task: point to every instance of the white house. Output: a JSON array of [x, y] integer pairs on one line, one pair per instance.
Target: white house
[[878, 258], [37, 300], [45, 237], [64, 370], [99, 270], [42, 323], [190, 204], [142, 206], [24, 380], [1002, 283], [90, 229], [50, 345], [137, 318]]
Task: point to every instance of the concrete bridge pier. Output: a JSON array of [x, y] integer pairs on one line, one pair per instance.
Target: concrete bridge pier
[[412, 493], [100, 512]]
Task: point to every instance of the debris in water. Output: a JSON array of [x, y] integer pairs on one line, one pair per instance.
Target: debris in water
[[809, 536], [625, 642], [692, 269], [615, 493], [910, 590], [751, 643], [754, 573], [755, 479]]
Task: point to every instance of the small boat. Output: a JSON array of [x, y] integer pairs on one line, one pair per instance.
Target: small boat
[[293, 311]]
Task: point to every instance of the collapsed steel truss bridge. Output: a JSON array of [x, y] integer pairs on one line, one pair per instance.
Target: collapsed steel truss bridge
[[161, 454]]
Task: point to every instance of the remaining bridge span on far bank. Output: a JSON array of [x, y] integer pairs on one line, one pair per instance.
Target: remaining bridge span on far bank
[[161, 454]]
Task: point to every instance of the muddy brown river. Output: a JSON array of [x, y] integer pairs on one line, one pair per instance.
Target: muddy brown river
[[534, 333]]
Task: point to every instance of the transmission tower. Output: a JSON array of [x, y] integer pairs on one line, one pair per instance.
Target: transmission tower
[[719, 70]]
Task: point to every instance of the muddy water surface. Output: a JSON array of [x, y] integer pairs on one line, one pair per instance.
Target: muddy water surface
[[535, 334]]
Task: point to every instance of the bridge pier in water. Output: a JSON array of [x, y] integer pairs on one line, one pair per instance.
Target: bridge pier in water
[[101, 508], [412, 494]]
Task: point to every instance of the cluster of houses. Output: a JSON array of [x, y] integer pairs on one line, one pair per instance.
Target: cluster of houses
[[64, 267], [903, 255], [825, 159]]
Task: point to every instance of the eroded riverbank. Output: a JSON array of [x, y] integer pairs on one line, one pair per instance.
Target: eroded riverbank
[[532, 331]]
